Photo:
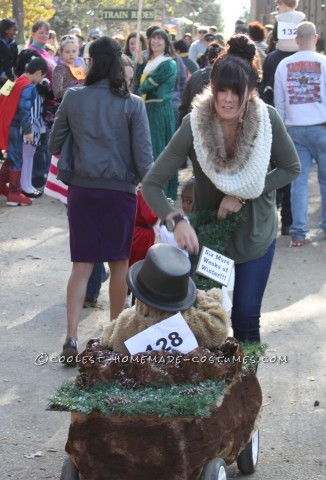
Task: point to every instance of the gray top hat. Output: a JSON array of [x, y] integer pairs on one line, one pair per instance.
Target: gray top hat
[[163, 280]]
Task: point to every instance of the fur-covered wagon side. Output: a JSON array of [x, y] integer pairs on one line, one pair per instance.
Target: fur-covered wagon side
[[147, 446]]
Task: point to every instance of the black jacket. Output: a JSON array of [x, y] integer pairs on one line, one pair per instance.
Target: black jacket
[[8, 57], [270, 65]]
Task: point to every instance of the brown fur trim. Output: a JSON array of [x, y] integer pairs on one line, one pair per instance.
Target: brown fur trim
[[210, 130]]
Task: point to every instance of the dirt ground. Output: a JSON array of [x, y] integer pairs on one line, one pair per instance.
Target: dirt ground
[[34, 269]]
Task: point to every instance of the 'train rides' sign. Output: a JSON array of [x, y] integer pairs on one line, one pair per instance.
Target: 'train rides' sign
[[127, 14]]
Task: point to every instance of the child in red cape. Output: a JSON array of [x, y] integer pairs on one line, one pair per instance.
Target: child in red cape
[[144, 235], [15, 123]]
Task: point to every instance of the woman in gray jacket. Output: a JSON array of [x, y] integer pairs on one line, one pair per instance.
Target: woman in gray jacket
[[102, 134]]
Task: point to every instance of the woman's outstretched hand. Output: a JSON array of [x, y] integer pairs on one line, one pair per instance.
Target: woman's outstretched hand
[[186, 237], [229, 204]]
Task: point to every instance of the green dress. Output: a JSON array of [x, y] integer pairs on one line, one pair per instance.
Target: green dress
[[157, 91]]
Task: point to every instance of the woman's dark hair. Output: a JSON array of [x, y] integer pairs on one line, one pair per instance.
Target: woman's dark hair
[[256, 31], [40, 24], [37, 25], [142, 39], [107, 65], [236, 67], [5, 24], [270, 43], [169, 50]]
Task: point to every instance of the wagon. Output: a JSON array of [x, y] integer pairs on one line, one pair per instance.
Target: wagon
[[147, 446]]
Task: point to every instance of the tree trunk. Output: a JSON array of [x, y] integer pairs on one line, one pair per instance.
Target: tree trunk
[[18, 14]]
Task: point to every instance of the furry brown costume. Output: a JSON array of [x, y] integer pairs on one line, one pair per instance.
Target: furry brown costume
[[208, 321]]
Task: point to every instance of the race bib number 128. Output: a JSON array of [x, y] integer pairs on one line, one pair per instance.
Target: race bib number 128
[[170, 334]]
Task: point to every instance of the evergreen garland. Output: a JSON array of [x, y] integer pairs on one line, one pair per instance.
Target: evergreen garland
[[214, 234], [187, 399], [112, 398], [252, 351]]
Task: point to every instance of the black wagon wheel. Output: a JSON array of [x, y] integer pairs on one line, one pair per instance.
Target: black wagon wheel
[[248, 459], [69, 470], [214, 470]]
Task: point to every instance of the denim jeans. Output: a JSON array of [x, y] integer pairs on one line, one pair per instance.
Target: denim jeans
[[15, 147], [95, 281], [310, 143], [249, 287]]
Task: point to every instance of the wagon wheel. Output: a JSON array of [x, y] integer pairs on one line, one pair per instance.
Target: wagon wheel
[[69, 470], [248, 459], [214, 470]]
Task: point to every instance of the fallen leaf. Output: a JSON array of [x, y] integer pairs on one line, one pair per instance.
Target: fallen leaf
[[33, 455]]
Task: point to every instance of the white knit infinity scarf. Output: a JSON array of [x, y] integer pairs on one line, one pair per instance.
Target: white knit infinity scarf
[[242, 175]]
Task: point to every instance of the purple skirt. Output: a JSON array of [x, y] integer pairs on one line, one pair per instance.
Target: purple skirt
[[101, 224]]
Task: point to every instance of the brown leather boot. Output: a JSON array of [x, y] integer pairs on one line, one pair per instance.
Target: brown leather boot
[[15, 196], [4, 178]]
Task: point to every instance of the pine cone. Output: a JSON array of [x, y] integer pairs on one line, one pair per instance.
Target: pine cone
[[129, 383], [192, 391]]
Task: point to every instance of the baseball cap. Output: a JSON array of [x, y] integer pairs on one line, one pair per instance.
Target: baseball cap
[[209, 37], [95, 32]]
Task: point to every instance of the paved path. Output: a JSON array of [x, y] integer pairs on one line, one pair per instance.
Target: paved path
[[34, 269]]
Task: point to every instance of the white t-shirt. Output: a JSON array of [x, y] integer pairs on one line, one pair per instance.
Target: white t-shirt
[[300, 89], [196, 48]]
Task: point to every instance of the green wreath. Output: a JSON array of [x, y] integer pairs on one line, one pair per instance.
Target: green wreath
[[214, 234]]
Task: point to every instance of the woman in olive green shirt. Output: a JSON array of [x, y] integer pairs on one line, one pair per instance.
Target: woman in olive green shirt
[[231, 137]]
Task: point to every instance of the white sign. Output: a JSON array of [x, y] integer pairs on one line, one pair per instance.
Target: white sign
[[286, 30], [215, 266], [170, 334]]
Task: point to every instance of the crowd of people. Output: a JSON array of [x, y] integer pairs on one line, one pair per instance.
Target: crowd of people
[[90, 121]]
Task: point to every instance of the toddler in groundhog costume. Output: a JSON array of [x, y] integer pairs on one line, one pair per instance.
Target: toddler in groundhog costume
[[162, 286]]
